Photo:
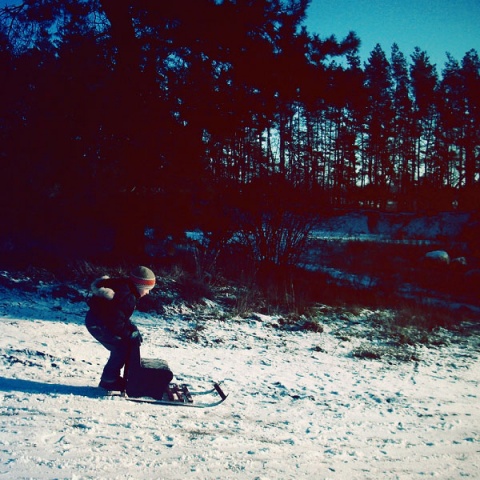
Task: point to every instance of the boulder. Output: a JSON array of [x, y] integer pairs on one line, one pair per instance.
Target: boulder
[[437, 258], [459, 264]]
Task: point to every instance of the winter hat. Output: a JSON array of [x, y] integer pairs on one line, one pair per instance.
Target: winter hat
[[143, 278]]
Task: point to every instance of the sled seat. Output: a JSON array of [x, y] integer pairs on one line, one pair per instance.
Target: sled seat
[[146, 377]]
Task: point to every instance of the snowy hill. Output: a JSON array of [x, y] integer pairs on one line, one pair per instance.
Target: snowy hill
[[302, 404]]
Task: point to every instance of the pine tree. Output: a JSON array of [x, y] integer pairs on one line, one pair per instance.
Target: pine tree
[[428, 169], [403, 127], [379, 169], [459, 132]]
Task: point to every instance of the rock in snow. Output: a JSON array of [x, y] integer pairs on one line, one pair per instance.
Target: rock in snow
[[300, 405], [437, 258]]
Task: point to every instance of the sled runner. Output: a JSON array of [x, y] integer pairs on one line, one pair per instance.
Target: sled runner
[[148, 381], [181, 396]]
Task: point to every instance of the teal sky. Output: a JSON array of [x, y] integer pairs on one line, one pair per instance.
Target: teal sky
[[436, 26]]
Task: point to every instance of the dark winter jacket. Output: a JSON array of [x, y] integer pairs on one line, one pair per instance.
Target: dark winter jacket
[[112, 304]]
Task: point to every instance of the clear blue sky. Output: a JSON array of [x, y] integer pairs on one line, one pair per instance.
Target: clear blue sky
[[436, 26]]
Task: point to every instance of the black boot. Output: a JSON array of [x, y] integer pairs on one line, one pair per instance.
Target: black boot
[[113, 385]]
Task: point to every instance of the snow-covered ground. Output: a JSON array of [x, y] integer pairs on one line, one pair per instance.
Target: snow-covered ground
[[300, 405], [368, 225]]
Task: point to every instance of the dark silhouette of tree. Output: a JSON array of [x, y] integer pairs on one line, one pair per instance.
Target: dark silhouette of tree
[[459, 135], [52, 95], [424, 82], [471, 133], [378, 167], [403, 140]]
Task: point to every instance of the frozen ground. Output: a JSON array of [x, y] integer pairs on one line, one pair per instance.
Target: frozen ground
[[364, 225], [300, 405]]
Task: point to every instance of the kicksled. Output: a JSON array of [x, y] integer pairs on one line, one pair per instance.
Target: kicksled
[[150, 381]]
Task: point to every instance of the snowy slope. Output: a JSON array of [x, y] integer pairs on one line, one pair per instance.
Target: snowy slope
[[300, 405]]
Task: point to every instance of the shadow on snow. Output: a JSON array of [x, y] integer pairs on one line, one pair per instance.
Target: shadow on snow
[[9, 385]]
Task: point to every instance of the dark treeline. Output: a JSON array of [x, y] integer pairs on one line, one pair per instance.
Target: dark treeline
[[117, 114]]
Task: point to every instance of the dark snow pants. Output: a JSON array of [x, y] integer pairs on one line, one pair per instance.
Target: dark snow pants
[[119, 348]]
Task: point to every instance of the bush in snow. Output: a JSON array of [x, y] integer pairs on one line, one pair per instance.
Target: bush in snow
[[295, 322]]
